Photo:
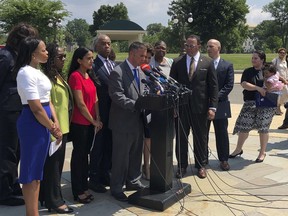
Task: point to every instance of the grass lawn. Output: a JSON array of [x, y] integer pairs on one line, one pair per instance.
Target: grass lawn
[[240, 61]]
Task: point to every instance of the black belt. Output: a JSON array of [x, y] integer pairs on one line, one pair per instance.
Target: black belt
[[43, 104]]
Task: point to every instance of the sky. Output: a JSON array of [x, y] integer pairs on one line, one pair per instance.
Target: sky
[[151, 11]]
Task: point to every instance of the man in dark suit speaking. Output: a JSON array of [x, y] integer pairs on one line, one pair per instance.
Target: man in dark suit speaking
[[197, 73], [126, 122], [225, 76]]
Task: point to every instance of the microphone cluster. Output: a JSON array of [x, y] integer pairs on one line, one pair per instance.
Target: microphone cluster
[[158, 82]]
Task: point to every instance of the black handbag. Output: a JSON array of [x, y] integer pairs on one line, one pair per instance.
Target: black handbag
[[269, 100]]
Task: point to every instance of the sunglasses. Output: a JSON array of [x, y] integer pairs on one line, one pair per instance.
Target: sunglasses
[[61, 57]]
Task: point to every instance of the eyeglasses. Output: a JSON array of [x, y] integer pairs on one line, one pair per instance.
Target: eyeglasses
[[61, 57], [282, 53], [190, 46]]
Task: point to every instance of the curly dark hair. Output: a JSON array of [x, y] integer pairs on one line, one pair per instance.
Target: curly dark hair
[[18, 33], [49, 68]]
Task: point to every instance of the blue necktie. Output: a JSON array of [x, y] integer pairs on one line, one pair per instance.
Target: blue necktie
[[135, 73], [108, 64]]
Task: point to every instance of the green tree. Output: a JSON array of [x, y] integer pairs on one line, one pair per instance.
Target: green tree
[[154, 32], [107, 13], [38, 13], [265, 33], [279, 11], [79, 30], [211, 19], [154, 28]]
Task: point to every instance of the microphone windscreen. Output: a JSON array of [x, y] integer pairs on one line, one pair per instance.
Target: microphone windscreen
[[145, 67]]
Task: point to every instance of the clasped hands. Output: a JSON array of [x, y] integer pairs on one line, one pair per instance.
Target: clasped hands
[[56, 132]]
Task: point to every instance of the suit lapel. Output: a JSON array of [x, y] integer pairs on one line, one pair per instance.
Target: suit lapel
[[130, 76], [102, 67]]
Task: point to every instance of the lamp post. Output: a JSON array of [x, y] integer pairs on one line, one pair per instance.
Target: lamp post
[[182, 20], [54, 23]]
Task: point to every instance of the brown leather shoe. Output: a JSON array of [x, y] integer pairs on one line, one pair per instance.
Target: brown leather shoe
[[180, 173], [202, 173], [224, 165]]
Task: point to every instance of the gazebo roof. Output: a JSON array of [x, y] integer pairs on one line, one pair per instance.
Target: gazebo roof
[[123, 25]]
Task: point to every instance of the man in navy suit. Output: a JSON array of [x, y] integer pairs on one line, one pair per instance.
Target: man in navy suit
[[126, 122], [225, 76], [197, 73], [100, 156]]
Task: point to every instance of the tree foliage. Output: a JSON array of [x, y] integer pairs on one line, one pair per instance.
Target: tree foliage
[[79, 30], [211, 19], [267, 36], [279, 11], [38, 13], [107, 13]]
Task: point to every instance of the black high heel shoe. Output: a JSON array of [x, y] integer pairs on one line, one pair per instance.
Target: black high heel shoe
[[65, 210], [83, 200], [233, 156], [258, 160]]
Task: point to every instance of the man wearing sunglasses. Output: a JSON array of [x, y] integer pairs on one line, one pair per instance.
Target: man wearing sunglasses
[[197, 73]]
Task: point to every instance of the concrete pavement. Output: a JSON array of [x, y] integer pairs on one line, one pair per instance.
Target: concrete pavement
[[249, 188]]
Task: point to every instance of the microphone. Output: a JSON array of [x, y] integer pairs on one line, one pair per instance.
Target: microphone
[[147, 71], [151, 86], [168, 79]]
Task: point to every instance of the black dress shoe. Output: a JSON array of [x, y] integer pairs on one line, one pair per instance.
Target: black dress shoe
[[12, 201], [98, 188], [62, 210], [180, 173], [224, 165], [137, 186], [283, 127], [120, 197]]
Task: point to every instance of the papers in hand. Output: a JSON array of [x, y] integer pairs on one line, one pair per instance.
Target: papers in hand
[[54, 147]]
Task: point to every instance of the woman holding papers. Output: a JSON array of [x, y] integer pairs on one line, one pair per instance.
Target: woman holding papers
[[37, 119], [61, 97], [85, 120]]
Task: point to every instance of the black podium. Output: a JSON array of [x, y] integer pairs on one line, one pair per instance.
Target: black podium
[[163, 192]]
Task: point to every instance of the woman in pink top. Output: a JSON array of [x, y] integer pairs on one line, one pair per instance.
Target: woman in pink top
[[85, 120]]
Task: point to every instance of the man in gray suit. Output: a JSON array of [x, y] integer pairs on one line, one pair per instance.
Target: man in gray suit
[[197, 73], [126, 122], [225, 76]]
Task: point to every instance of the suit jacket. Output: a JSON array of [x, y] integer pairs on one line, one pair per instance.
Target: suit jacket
[[102, 90], [204, 84], [225, 76], [124, 92], [9, 97]]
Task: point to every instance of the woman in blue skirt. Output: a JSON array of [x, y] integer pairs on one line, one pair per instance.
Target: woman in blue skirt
[[37, 119]]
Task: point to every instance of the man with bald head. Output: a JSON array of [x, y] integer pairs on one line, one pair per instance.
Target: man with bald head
[[100, 157], [225, 75]]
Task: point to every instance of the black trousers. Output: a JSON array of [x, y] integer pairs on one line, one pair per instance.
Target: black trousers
[[82, 137], [9, 153], [100, 157], [222, 138], [50, 189], [198, 123]]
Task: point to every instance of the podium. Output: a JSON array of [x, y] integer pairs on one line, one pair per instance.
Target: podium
[[163, 192]]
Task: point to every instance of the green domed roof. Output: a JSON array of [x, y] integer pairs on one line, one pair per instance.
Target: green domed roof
[[121, 25]]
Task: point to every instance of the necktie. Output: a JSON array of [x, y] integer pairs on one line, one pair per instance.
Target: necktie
[[215, 64], [192, 68], [136, 77], [108, 65]]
